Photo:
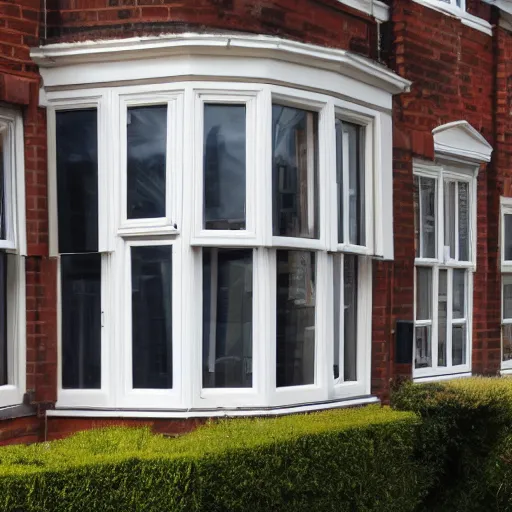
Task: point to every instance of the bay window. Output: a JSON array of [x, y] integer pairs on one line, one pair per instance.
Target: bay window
[[444, 209], [216, 238], [12, 262]]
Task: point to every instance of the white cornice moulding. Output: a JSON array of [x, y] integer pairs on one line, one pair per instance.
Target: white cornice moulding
[[460, 141], [375, 8], [237, 46]]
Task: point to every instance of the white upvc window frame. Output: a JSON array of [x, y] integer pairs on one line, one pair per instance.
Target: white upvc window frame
[[127, 396], [250, 236], [506, 280], [311, 102], [117, 237], [168, 224], [14, 245], [505, 209], [442, 173]]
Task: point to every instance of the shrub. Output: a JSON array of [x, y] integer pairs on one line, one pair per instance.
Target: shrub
[[462, 438], [350, 460]]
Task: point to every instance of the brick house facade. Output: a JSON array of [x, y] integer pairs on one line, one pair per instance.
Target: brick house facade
[[458, 61]]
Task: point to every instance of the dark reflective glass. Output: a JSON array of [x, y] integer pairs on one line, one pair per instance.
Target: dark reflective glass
[[350, 158], [296, 278], [77, 180], [81, 321], [146, 133], [224, 166], [2, 193], [350, 325], [227, 318], [294, 172], [152, 317], [508, 237], [3, 319]]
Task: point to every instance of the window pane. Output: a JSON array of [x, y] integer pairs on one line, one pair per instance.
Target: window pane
[[459, 295], [507, 301], [146, 134], [350, 159], [350, 334], [423, 293], [296, 278], [3, 319], [449, 218], [428, 217], [81, 321], [338, 340], [416, 202], [442, 315], [3, 152], [224, 166], [152, 317], [463, 221], [294, 156], [227, 318], [508, 237], [423, 347], [507, 342], [77, 180], [458, 344]]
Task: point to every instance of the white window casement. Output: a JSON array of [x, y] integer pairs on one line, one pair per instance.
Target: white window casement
[[12, 261], [506, 269], [215, 235], [445, 244], [457, 9]]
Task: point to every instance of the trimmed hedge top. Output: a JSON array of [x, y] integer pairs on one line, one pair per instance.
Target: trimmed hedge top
[[344, 460], [114, 443]]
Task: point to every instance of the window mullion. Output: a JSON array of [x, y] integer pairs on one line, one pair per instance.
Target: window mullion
[[457, 227], [440, 223], [435, 306], [341, 340], [449, 316]]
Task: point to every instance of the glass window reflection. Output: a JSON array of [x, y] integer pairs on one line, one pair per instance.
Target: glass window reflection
[[146, 134], [295, 173], [224, 166]]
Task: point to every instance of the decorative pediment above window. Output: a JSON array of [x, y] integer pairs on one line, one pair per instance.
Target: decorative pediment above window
[[460, 142]]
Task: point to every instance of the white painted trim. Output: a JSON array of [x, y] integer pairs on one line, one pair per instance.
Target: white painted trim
[[210, 413], [457, 12], [459, 141], [444, 377], [375, 8], [53, 57]]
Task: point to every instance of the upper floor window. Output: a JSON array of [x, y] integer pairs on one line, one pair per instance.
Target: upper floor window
[[12, 268]]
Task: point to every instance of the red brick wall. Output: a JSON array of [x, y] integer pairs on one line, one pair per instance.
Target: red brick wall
[[323, 22], [19, 84], [452, 69], [21, 430]]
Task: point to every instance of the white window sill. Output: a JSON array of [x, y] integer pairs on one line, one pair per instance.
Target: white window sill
[[439, 378], [379, 10], [506, 371], [467, 19], [209, 413]]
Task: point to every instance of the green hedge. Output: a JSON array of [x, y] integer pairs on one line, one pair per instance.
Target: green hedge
[[351, 460], [465, 438]]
